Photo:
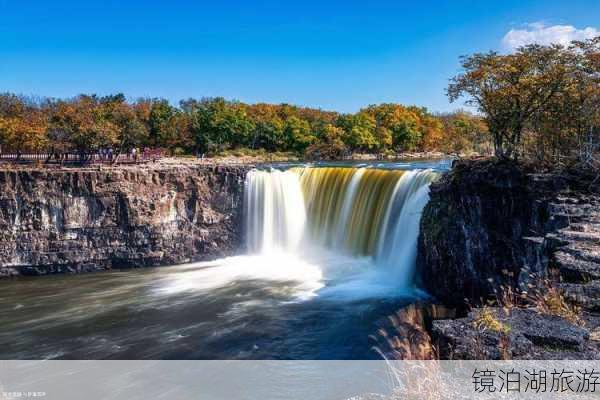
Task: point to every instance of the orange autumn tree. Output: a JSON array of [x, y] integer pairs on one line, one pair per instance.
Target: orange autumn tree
[[405, 128], [82, 125], [464, 132], [22, 125]]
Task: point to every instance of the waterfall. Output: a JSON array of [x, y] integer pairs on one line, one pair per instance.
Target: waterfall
[[275, 212], [360, 212], [397, 246]]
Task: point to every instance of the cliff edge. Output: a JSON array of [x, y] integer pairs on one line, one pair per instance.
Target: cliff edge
[[86, 219]]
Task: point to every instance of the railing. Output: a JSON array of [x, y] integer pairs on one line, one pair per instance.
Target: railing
[[78, 158]]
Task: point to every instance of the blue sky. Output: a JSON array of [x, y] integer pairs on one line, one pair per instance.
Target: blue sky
[[337, 55]]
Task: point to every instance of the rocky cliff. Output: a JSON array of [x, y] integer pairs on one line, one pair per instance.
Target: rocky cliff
[[483, 228], [492, 223], [530, 242], [83, 219]]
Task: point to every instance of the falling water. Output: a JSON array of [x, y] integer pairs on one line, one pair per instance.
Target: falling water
[[275, 212], [361, 212], [397, 246], [330, 250]]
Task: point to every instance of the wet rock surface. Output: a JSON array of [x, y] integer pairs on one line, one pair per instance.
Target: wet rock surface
[[89, 219]]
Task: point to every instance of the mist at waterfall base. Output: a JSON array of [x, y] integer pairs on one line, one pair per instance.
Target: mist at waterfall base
[[330, 250]]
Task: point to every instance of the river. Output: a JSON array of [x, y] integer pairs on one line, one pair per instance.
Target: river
[[330, 251]]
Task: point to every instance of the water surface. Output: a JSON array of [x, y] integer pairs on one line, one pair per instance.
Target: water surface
[[330, 251]]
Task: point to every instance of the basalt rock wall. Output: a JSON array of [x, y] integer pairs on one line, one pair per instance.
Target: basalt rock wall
[[485, 227], [85, 219]]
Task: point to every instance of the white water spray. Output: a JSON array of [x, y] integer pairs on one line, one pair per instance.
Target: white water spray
[[289, 212]]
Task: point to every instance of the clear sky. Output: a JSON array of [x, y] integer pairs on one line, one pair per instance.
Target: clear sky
[[337, 55]]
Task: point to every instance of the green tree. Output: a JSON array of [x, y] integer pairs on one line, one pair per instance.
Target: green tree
[[298, 134], [161, 113], [218, 124], [359, 131], [130, 130], [400, 123], [330, 147]]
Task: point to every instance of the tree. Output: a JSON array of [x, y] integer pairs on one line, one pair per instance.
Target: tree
[[298, 134], [218, 124], [384, 139], [330, 147], [268, 127], [401, 124], [161, 112], [464, 132], [583, 94], [22, 125], [359, 131], [406, 134], [131, 131], [83, 124], [510, 89]]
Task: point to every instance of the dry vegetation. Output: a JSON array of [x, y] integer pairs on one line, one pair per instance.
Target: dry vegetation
[[548, 299], [487, 321]]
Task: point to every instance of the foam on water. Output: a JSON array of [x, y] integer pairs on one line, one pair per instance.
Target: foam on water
[[305, 278]]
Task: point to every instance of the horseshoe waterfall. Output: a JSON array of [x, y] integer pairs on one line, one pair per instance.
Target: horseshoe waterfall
[[358, 213], [322, 252]]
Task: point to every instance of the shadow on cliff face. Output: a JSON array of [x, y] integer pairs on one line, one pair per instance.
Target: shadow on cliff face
[[482, 228]]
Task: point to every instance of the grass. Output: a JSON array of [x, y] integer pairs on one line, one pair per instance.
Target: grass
[[551, 301], [406, 337], [543, 296], [486, 320]]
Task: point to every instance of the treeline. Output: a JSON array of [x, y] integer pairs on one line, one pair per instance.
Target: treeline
[[541, 102], [211, 126]]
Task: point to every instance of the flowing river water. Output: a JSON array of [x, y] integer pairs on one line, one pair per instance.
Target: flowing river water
[[330, 250]]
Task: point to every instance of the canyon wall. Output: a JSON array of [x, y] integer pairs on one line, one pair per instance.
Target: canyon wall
[[492, 225], [85, 219]]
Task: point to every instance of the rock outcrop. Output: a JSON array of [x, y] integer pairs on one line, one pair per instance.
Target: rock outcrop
[[576, 248], [85, 219], [484, 227], [529, 335], [491, 223], [491, 226]]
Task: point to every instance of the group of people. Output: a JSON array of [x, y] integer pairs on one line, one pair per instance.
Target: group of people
[[108, 154]]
